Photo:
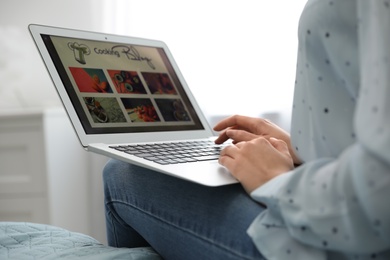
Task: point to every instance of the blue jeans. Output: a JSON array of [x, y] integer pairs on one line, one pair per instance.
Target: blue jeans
[[179, 219]]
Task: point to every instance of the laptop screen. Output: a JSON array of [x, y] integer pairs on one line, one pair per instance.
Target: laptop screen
[[121, 88]]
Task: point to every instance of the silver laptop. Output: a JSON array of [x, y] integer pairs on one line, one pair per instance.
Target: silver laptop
[[127, 99]]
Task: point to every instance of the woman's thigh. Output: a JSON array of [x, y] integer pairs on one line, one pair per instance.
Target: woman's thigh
[[179, 219]]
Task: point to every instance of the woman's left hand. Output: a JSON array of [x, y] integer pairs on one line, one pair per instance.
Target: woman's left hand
[[256, 162]]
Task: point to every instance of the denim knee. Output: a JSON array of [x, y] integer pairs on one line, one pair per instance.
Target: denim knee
[[108, 169], [114, 169], [113, 175]]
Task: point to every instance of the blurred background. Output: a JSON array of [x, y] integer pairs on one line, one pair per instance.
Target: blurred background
[[238, 57]]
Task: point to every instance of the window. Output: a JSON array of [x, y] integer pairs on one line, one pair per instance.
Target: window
[[238, 57]]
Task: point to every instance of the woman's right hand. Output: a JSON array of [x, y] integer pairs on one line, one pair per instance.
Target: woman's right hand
[[243, 128]]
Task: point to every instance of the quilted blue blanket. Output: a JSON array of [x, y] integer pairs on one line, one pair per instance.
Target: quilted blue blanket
[[37, 241]]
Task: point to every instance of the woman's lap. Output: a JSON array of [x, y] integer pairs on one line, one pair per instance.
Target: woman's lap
[[177, 218]]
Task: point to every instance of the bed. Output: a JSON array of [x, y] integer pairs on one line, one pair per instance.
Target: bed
[[21, 240]]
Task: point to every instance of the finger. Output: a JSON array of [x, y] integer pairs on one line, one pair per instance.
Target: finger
[[222, 137], [227, 158], [228, 163], [240, 145], [279, 145], [240, 135], [236, 121], [236, 136], [229, 150], [223, 124]]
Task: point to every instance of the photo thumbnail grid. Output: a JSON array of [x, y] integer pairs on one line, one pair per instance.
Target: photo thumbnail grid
[[119, 96]]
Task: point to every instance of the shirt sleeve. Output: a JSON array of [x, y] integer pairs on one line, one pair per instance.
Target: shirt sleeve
[[339, 206]]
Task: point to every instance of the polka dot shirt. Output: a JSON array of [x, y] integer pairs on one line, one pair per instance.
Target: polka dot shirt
[[335, 205]]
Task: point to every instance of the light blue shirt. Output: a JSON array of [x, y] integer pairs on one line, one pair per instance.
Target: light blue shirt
[[336, 205]]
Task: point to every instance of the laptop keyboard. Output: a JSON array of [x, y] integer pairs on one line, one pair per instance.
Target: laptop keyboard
[[174, 152]]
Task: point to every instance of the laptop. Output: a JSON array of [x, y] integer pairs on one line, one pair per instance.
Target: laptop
[[127, 100]]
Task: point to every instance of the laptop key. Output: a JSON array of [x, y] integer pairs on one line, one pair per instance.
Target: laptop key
[[206, 157], [163, 162]]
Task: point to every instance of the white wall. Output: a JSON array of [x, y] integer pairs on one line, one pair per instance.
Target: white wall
[[24, 81], [236, 56]]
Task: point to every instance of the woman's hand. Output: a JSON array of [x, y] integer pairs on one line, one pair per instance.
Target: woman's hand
[[257, 161], [242, 128]]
